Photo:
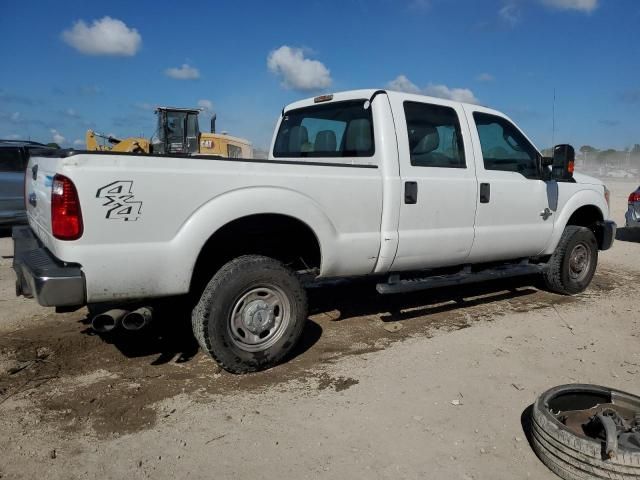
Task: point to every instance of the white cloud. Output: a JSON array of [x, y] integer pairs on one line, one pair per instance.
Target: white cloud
[[56, 136], [15, 117], [298, 72], [206, 105], [71, 113], [457, 94], [402, 84], [14, 136], [77, 142], [107, 36], [510, 13], [185, 72], [485, 77], [511, 10], [586, 6]]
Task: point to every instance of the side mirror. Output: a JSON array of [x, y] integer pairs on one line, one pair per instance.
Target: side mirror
[[564, 157]]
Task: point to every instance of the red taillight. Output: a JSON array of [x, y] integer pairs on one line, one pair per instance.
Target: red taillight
[[634, 197], [66, 216]]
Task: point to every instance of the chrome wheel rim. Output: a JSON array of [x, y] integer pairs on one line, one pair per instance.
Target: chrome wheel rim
[[579, 262], [259, 318]]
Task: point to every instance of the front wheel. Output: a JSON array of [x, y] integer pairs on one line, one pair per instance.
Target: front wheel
[[573, 264], [251, 314]]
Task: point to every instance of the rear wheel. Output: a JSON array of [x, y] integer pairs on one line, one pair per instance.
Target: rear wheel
[[251, 314], [573, 264]]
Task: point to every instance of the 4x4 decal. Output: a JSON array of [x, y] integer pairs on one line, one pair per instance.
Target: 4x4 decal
[[120, 201]]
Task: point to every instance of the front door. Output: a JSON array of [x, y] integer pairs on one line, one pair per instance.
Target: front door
[[439, 186], [514, 216]]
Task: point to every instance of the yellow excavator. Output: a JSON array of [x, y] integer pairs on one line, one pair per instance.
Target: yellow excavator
[[177, 133]]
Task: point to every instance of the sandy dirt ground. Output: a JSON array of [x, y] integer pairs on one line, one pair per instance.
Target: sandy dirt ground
[[432, 385]]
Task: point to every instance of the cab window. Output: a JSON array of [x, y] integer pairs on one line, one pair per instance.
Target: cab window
[[337, 129], [175, 125], [504, 148], [435, 139], [233, 151], [192, 125]]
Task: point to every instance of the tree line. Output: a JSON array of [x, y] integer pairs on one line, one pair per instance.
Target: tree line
[[631, 154]]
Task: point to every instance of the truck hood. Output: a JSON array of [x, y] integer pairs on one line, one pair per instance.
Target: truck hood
[[586, 179]]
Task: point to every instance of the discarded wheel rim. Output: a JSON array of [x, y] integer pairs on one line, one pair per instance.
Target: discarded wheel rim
[[572, 432]]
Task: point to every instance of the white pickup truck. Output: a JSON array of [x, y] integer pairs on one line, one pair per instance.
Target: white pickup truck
[[366, 182]]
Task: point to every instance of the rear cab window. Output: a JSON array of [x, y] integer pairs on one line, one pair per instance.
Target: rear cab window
[[337, 129], [435, 138]]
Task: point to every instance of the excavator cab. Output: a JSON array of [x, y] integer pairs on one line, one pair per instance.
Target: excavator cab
[[177, 131]]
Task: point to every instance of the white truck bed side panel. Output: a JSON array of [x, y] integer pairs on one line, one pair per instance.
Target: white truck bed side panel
[[170, 207]]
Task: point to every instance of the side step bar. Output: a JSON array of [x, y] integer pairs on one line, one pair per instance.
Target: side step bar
[[464, 276]]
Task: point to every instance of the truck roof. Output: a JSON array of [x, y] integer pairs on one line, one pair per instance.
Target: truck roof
[[368, 93]]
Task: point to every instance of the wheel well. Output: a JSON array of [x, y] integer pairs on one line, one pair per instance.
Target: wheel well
[[277, 236], [591, 217]]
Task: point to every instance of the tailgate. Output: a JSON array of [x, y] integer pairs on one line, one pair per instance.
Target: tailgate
[[38, 182]]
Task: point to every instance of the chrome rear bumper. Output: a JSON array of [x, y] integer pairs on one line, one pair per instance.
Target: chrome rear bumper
[[40, 275]]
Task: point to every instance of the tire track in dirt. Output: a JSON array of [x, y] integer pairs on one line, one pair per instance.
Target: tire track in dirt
[[73, 380]]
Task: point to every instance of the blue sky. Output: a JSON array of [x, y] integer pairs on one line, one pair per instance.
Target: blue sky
[[67, 68]]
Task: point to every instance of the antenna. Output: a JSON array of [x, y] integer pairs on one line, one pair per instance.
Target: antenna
[[553, 116]]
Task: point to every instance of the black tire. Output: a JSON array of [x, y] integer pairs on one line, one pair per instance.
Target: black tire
[[562, 275], [574, 457], [247, 297]]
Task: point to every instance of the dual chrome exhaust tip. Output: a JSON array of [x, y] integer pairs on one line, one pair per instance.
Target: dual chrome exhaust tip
[[111, 320]]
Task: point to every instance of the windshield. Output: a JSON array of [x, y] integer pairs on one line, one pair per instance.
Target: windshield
[[175, 126]]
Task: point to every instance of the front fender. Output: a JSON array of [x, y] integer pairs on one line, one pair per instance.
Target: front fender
[[577, 200]]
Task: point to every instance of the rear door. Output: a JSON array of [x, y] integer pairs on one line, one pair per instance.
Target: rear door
[[436, 226], [12, 167], [514, 206]]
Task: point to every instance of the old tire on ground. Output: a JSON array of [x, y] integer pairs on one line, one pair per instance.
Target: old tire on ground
[[573, 264], [251, 314], [575, 457]]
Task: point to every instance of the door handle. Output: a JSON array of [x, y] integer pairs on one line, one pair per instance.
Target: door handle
[[485, 192], [546, 213], [411, 193]]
